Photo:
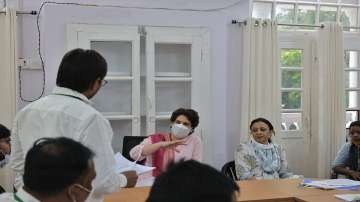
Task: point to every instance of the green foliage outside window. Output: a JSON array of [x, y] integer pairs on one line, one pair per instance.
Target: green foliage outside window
[[291, 100], [290, 78], [291, 58]]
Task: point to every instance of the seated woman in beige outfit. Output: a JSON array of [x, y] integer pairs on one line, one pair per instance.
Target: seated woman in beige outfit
[[260, 158]]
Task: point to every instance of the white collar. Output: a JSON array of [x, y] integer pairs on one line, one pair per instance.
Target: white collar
[[261, 146], [24, 196], [68, 92]]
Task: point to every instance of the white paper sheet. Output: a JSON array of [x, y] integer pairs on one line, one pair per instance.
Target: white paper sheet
[[123, 164], [332, 184], [348, 197]]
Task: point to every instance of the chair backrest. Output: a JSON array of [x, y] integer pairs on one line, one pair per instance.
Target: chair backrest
[[2, 190], [228, 170], [128, 143]]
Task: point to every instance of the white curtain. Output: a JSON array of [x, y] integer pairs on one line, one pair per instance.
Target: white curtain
[[260, 90], [331, 96], [8, 58]]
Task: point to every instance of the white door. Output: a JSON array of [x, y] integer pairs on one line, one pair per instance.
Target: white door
[[119, 99], [174, 68], [352, 77], [296, 66]]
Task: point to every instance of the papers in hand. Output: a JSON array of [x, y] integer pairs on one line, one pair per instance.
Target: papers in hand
[[348, 197], [332, 184], [123, 164]]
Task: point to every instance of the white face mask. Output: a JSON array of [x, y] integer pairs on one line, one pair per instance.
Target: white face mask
[[180, 131]]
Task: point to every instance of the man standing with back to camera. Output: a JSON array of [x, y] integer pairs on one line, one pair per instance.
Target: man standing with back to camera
[[67, 112]]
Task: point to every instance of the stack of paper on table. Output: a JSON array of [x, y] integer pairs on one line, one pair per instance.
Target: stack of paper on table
[[348, 197], [332, 184], [123, 164]]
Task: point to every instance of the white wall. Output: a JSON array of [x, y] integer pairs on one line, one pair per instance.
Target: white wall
[[224, 79], [233, 90]]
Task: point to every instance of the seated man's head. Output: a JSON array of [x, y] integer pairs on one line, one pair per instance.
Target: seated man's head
[[191, 181], [5, 147], [354, 132], [59, 168], [82, 71]]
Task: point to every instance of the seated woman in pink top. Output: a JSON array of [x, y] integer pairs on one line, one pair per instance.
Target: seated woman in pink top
[[162, 148]]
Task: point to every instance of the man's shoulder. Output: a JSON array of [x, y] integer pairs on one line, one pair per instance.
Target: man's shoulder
[[74, 114], [64, 105]]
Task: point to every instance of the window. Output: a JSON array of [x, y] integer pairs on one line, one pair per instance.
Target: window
[[352, 85], [291, 89], [308, 12]]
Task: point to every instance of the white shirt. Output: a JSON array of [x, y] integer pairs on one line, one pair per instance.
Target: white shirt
[[21, 194], [69, 114]]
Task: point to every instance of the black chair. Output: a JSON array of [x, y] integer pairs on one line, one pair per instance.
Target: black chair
[[2, 190], [128, 143], [228, 170]]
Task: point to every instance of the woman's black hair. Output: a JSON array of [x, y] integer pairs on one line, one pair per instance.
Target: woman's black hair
[[190, 114]]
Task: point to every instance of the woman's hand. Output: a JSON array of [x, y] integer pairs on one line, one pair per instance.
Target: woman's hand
[[172, 144], [151, 148]]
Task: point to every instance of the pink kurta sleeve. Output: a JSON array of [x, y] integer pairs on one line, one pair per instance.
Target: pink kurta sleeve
[[197, 151], [135, 152]]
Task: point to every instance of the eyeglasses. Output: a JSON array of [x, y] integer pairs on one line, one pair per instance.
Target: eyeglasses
[[103, 82], [83, 188]]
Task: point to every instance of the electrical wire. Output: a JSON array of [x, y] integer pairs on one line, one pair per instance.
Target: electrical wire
[[144, 8], [95, 5], [41, 59]]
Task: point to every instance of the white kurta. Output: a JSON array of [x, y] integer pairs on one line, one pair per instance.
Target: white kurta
[[69, 114], [21, 194]]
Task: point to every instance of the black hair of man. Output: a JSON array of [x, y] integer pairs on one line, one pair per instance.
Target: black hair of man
[[53, 164], [191, 181], [354, 123], [190, 114], [80, 68], [4, 132]]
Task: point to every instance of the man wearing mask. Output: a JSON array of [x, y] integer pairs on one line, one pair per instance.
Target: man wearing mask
[[5, 146], [56, 170], [67, 112]]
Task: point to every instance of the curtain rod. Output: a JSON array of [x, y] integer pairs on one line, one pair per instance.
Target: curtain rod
[[294, 25], [281, 24], [22, 12]]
